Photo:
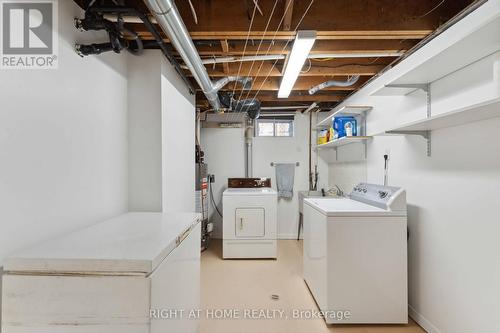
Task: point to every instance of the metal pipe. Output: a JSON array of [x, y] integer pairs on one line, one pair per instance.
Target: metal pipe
[[245, 81], [293, 107], [333, 83], [170, 21]]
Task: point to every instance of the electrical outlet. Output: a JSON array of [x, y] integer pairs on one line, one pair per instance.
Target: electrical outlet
[[211, 178]]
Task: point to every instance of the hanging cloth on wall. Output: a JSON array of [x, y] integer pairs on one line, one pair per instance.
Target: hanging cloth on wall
[[285, 174]]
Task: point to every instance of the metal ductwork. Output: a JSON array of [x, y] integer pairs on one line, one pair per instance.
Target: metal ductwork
[[250, 105], [245, 81], [333, 83], [170, 21]]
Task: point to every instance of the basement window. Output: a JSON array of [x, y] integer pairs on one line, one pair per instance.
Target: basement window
[[275, 126]]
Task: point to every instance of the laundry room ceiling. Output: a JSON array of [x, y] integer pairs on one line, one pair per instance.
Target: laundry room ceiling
[[346, 29]]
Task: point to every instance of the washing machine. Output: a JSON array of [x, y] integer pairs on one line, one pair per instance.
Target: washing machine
[[355, 255], [250, 223]]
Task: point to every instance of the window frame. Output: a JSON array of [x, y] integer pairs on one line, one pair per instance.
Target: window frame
[[274, 121]]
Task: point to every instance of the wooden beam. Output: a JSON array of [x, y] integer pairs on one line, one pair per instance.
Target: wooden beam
[[287, 22], [290, 35], [320, 46], [224, 15], [267, 69], [225, 49]]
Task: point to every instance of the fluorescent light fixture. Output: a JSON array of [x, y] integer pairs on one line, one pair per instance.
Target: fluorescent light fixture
[[302, 45]]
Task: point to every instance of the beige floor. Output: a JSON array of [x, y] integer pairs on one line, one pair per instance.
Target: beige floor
[[236, 285]]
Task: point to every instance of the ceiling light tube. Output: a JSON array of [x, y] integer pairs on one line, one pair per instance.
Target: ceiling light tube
[[304, 41]]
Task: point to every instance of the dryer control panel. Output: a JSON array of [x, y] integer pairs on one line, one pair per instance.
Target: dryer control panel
[[386, 197]]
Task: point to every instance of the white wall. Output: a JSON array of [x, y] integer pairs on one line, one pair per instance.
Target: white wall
[[63, 142], [145, 132], [454, 255], [178, 142], [225, 156], [161, 136], [286, 150]]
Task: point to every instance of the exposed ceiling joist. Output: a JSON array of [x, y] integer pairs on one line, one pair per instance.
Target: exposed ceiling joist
[[268, 70], [287, 22], [290, 35], [353, 27]]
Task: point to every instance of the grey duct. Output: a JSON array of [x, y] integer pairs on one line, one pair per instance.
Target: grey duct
[[333, 83], [170, 21], [245, 81]]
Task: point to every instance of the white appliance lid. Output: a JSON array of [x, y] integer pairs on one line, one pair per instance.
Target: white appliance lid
[[348, 207], [251, 191], [132, 243]]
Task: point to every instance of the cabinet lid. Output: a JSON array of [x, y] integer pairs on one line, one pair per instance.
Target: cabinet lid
[[129, 244]]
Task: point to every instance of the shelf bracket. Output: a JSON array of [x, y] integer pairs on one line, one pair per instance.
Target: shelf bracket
[[425, 87], [425, 134], [417, 86]]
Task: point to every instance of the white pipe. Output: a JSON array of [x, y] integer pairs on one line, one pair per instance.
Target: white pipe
[[293, 107], [310, 108]]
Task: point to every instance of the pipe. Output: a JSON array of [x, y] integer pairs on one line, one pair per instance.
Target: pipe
[[245, 81], [170, 21], [120, 11], [292, 107], [310, 108], [333, 83], [248, 148]]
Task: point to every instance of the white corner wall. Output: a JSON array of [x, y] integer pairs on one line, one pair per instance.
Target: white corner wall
[[178, 142], [161, 136], [63, 142], [454, 255], [225, 156], [144, 132]]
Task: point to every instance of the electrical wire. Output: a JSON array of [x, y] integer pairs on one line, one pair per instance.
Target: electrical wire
[[432, 10], [244, 50], [271, 45], [308, 68], [258, 48], [284, 47], [212, 199]]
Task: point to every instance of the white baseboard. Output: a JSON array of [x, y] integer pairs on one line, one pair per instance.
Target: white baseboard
[[422, 321], [282, 237]]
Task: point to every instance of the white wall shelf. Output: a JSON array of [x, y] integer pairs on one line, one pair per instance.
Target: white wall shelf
[[482, 40], [352, 110], [462, 116], [343, 141], [457, 117]]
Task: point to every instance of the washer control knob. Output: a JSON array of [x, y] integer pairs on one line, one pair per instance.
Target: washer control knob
[[382, 194]]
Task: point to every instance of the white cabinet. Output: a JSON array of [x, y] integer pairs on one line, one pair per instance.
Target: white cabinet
[[250, 222], [114, 277]]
